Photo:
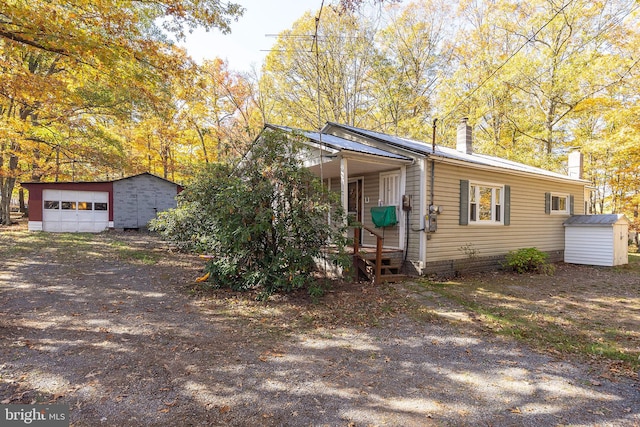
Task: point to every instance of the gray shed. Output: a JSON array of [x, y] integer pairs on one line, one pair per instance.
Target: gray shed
[[596, 239], [137, 199]]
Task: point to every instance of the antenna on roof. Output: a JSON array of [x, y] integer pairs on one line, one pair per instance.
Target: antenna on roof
[[314, 46]]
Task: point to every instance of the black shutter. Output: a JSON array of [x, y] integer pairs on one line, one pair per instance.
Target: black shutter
[[464, 202], [547, 203], [507, 205]]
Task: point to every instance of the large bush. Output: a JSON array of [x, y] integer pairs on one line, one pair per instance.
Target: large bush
[[265, 221]]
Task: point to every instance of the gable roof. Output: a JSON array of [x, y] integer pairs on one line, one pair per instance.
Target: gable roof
[[95, 182], [425, 149]]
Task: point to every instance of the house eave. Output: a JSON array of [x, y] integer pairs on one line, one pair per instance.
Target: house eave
[[479, 166]]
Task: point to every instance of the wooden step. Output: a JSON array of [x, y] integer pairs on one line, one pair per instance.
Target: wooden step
[[390, 270], [392, 278]]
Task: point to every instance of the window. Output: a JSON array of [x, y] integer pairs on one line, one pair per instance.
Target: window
[[559, 204], [69, 206], [390, 189], [100, 206], [555, 203], [51, 204], [84, 206], [485, 203]]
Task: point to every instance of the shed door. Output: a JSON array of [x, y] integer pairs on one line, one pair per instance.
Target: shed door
[[75, 211]]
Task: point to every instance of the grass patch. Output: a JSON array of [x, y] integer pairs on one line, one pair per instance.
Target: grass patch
[[633, 266], [23, 242], [137, 256], [548, 320]]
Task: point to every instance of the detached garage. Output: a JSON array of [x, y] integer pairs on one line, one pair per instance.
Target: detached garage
[[597, 240], [95, 206]]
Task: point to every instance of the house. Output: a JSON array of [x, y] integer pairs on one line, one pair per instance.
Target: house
[[455, 210], [125, 203]]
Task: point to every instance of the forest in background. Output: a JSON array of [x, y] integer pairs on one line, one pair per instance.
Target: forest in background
[[98, 90]]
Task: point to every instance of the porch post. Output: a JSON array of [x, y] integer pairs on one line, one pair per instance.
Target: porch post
[[344, 185]]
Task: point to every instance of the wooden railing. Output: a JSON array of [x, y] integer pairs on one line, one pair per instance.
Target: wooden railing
[[356, 250]]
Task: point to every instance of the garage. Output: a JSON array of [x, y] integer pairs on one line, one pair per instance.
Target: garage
[[75, 211], [94, 206]]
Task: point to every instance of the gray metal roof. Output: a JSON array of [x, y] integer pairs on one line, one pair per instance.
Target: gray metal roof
[[338, 143], [424, 148], [595, 220]]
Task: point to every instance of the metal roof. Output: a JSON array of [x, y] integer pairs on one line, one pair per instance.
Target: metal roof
[[424, 148], [338, 143], [595, 220]]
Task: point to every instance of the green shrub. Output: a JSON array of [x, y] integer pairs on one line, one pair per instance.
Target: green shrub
[[265, 221], [529, 260]]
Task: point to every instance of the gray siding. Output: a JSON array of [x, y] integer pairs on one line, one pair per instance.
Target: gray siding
[[137, 200]]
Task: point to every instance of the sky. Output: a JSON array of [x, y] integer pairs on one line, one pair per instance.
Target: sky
[[247, 44]]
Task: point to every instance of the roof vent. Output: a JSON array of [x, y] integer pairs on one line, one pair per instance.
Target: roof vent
[[464, 142]]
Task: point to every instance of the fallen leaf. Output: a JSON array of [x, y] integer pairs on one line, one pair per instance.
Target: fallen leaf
[[224, 409]]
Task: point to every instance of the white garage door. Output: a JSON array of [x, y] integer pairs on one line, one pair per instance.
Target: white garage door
[[75, 211]]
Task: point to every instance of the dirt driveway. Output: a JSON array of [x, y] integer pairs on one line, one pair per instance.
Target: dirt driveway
[[108, 325]]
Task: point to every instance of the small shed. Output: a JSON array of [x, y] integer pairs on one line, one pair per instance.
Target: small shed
[[596, 240]]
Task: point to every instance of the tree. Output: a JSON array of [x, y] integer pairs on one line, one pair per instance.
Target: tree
[[264, 220], [331, 82], [414, 54], [57, 56]]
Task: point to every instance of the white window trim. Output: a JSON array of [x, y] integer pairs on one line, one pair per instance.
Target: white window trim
[[493, 206], [566, 204], [398, 188]]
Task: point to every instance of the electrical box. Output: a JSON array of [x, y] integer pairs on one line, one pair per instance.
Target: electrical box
[[406, 203], [432, 222]]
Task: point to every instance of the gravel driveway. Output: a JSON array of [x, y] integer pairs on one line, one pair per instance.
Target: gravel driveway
[[121, 341]]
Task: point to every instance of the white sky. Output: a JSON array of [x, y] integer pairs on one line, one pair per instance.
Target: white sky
[[247, 43]]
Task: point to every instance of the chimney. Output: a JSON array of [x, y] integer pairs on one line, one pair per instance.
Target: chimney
[[574, 163], [464, 140]]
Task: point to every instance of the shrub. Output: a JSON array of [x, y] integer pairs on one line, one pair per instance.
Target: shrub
[[264, 220], [528, 260]]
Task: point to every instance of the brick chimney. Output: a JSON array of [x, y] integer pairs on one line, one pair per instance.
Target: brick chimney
[[464, 141], [574, 164]]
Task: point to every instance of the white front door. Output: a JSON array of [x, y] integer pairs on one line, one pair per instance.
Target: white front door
[[75, 211]]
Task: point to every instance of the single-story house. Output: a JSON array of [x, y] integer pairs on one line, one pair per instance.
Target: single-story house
[[455, 209], [126, 203]]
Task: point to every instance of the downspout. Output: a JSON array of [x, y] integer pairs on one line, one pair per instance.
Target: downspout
[[433, 163], [431, 193]]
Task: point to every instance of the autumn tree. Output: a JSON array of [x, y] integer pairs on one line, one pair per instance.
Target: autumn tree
[[414, 53], [326, 75], [64, 61], [218, 108]]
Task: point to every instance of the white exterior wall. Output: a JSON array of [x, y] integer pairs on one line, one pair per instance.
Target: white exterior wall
[[603, 245], [589, 245]]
